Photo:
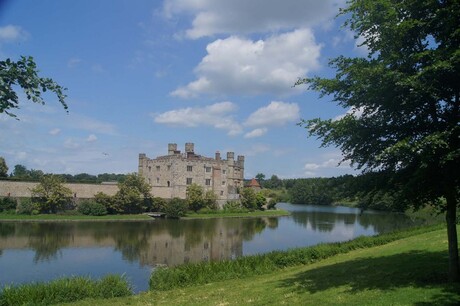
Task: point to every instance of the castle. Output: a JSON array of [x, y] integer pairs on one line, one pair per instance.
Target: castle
[[169, 175]]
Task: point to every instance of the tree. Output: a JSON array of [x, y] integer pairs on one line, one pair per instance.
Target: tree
[[50, 194], [248, 198], [132, 195], [20, 171], [260, 177], [194, 197], [403, 102], [3, 168], [24, 74]]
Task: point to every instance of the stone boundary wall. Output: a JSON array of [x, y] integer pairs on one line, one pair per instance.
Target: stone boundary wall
[[17, 189], [23, 189]]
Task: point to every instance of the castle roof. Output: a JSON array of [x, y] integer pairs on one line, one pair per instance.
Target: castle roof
[[254, 183]]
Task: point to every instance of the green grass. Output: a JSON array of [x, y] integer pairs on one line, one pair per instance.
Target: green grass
[[408, 271], [65, 290], [53, 217], [222, 214]]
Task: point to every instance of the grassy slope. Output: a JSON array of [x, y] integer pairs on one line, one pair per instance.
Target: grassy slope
[[409, 271]]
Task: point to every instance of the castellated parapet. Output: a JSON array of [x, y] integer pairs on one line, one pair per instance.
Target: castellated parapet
[[169, 175]]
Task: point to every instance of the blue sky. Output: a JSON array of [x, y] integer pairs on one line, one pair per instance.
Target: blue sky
[[142, 74]]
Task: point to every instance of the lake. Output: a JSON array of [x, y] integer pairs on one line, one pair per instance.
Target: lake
[[37, 251]]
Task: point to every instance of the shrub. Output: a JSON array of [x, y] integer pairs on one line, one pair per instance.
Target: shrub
[[92, 208], [176, 208], [158, 204], [7, 204], [26, 207], [234, 207], [271, 204], [65, 290]]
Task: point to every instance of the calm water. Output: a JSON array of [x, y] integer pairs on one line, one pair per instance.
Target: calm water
[[36, 251]]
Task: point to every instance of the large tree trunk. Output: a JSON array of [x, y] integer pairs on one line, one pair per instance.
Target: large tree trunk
[[451, 216]]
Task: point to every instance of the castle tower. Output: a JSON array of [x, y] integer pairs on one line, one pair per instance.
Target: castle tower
[[172, 148]]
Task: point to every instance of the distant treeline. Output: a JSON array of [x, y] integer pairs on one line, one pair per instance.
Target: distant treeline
[[21, 173], [367, 191]]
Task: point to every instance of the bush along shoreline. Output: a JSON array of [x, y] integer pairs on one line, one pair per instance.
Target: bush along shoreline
[[166, 278], [65, 290]]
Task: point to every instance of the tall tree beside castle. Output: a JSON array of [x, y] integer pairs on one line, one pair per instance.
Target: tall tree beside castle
[[402, 102]]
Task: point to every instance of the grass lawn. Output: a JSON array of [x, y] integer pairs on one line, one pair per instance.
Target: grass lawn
[[410, 271], [221, 214]]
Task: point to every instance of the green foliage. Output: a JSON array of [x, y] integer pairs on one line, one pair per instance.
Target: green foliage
[[194, 197], [24, 74], [260, 200], [107, 201], [234, 207], [176, 208], [403, 102], [203, 273], [50, 195], [248, 198], [65, 290], [311, 191], [158, 204], [3, 167], [91, 208], [26, 207], [210, 200], [271, 204], [7, 204], [131, 195]]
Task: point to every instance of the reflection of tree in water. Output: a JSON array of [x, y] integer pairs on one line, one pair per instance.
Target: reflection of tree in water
[[252, 226], [7, 229], [318, 221], [385, 222], [48, 238], [272, 222], [132, 239], [325, 221]]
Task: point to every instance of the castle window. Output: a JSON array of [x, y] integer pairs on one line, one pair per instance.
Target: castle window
[[224, 171], [150, 169], [169, 167], [223, 183], [169, 184], [189, 181], [221, 193], [208, 169], [208, 182], [158, 180], [158, 168], [189, 168]]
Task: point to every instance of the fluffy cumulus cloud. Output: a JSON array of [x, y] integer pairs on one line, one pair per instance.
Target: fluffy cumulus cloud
[[237, 65], [274, 114], [12, 33], [211, 17], [256, 133], [330, 161], [91, 138], [218, 115]]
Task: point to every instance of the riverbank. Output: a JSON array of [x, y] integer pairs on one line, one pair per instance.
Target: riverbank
[[137, 217], [407, 271], [249, 214]]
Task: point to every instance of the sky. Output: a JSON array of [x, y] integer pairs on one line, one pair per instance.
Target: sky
[[142, 74]]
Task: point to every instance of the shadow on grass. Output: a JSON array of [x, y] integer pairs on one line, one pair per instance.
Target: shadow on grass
[[417, 269]]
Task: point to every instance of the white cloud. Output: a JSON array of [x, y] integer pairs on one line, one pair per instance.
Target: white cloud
[[274, 114], [217, 115], [71, 144], [12, 33], [54, 132], [256, 133], [212, 17], [91, 138], [73, 62], [238, 65], [330, 161]]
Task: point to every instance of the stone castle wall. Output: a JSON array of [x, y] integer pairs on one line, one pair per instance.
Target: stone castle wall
[[175, 171]]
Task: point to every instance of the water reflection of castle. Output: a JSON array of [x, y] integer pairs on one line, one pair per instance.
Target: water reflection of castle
[[162, 243], [164, 249]]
